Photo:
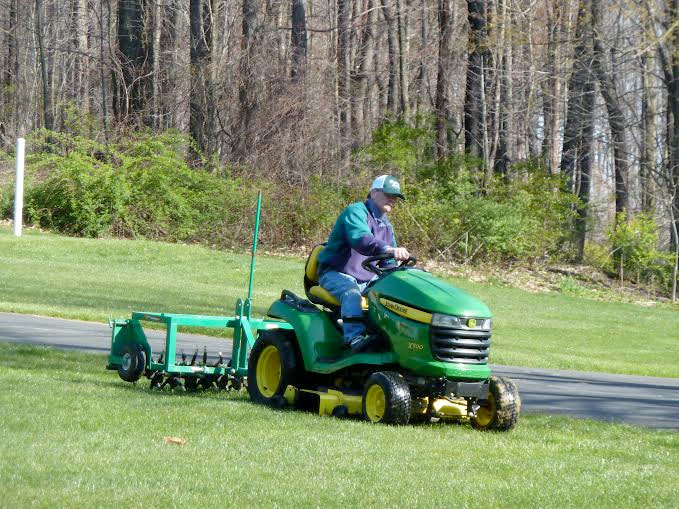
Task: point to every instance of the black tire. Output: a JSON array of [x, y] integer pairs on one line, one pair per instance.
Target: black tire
[[133, 362], [386, 398], [500, 412], [272, 366]]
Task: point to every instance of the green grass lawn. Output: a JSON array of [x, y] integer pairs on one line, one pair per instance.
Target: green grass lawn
[[75, 435], [94, 279]]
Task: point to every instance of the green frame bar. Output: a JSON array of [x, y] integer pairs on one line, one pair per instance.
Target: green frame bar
[[244, 336], [244, 330]]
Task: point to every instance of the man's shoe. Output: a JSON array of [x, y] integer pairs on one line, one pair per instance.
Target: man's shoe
[[359, 343]]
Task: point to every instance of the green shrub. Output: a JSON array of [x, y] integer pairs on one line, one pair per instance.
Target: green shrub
[[453, 211], [635, 249], [6, 200], [80, 196], [141, 185]]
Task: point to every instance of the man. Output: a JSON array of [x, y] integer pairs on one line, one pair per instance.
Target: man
[[361, 230]]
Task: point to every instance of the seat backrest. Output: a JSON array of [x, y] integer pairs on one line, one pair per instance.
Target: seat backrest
[[320, 295], [311, 268]]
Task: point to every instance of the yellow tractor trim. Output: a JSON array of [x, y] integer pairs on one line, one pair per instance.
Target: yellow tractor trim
[[328, 400], [443, 408], [406, 311]]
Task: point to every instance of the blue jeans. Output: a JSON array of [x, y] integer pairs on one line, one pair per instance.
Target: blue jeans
[[348, 291]]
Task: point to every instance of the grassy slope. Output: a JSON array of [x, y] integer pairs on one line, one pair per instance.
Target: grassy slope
[[94, 279], [76, 436]]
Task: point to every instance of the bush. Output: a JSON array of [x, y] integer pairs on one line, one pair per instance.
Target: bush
[[635, 250], [80, 196], [141, 185], [453, 211]]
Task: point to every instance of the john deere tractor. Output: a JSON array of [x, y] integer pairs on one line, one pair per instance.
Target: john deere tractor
[[429, 359]]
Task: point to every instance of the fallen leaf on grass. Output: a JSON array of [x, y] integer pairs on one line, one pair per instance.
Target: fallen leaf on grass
[[174, 440]]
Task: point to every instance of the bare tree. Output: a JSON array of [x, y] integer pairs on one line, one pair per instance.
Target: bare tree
[[247, 92], [445, 58], [576, 161], [130, 91], [298, 39], [46, 92], [475, 93], [616, 117]]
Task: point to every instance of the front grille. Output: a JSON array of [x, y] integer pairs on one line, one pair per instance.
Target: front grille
[[466, 346]]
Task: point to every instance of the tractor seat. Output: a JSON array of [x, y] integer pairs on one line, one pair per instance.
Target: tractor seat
[[315, 292]]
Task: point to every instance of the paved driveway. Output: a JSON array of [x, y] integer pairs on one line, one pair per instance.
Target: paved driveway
[[646, 401]]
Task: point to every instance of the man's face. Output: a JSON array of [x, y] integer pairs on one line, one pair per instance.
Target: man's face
[[385, 202]]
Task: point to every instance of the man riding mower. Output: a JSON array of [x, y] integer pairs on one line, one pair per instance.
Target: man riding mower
[[423, 344]]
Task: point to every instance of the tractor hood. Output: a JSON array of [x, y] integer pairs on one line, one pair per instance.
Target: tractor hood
[[424, 291]]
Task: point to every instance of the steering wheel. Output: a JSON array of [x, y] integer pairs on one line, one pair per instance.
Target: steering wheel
[[369, 263]]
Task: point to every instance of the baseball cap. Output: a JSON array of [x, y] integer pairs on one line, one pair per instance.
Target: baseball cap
[[388, 185]]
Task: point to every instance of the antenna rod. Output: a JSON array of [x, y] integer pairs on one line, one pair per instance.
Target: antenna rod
[[254, 244]]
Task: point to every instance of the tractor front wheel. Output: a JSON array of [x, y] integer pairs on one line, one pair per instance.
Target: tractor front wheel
[[386, 398], [500, 411], [133, 362], [272, 367]]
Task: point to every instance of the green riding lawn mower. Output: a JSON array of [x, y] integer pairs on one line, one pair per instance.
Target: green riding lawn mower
[[428, 360]]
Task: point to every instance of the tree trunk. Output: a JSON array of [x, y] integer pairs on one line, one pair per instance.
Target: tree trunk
[[83, 61], [403, 56], [344, 65], [130, 94], [648, 134], [585, 150], [393, 101], [421, 79], [157, 24], [552, 89], [365, 61], [616, 117], [179, 68], [473, 115], [104, 34], [247, 93], [298, 39], [576, 161], [10, 76], [443, 77], [200, 86], [46, 96], [506, 103]]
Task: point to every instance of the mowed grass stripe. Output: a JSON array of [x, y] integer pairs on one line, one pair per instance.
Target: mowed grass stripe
[[76, 436], [94, 279]]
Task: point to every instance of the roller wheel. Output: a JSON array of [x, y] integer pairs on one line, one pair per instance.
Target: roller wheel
[[191, 383], [500, 411], [157, 380], [209, 383], [273, 365], [386, 398], [133, 362]]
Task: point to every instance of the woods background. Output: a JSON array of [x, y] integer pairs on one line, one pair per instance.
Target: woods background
[[465, 100]]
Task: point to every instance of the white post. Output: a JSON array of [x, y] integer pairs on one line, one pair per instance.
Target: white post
[[19, 193]]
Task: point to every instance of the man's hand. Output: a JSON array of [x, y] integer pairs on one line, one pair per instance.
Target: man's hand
[[400, 253]]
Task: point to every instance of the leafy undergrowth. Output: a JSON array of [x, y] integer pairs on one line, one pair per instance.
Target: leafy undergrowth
[[75, 435]]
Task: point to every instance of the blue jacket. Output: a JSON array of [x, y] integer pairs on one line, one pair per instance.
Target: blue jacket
[[360, 231]]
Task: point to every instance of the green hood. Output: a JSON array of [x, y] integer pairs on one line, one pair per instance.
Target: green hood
[[424, 291]]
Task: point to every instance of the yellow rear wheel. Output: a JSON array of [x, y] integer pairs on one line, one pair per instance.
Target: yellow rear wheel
[[269, 371], [273, 365], [375, 403]]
